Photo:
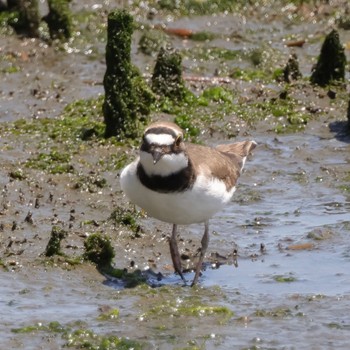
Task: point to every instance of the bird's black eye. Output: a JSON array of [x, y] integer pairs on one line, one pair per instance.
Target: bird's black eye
[[178, 140]]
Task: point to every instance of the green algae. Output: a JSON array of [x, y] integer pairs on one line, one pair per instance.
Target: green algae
[[279, 312], [202, 36], [185, 122], [291, 71], [127, 98], [214, 105], [290, 118], [87, 339], [78, 118], [3, 265], [151, 41], [81, 119], [337, 325], [216, 94], [54, 245], [117, 160], [99, 250], [348, 115], [344, 22], [176, 303], [320, 234], [81, 338], [91, 183], [196, 113], [18, 174], [203, 53], [284, 279], [127, 217], [344, 188], [10, 69], [59, 141], [194, 7], [189, 309], [109, 315], [331, 63], [53, 327], [7, 19], [59, 19], [250, 74], [8, 62], [167, 78], [54, 162], [205, 310], [24, 17]]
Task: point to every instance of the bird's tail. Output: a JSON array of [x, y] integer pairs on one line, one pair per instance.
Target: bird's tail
[[241, 149]]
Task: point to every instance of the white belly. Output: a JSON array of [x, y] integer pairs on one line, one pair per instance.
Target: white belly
[[196, 205]]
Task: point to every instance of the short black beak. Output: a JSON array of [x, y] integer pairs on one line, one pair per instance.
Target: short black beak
[[157, 155]]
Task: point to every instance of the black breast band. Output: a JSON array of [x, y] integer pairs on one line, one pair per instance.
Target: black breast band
[[177, 182]]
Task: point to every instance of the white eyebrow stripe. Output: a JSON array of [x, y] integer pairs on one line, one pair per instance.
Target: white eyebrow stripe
[[160, 139]]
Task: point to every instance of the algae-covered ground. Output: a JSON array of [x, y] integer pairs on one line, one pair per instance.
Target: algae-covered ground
[[277, 269]]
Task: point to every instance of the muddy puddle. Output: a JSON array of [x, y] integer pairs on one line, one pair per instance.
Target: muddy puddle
[[277, 273]]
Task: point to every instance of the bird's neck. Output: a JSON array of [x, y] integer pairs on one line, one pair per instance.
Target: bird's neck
[[169, 164]]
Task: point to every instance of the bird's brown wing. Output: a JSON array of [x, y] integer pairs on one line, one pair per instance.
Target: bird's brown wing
[[214, 163]]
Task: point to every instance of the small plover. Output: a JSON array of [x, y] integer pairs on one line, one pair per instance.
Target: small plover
[[183, 183]]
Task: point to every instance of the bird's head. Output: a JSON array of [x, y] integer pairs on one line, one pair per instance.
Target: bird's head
[[163, 151]]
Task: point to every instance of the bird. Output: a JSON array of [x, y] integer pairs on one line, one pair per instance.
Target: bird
[[183, 183]]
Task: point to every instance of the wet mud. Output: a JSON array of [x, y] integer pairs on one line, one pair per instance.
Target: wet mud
[[277, 273]]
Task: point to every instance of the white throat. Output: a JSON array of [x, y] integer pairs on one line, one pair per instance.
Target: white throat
[[167, 165]]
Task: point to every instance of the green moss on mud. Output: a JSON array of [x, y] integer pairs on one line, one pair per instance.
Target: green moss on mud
[[18, 174], [52, 327], [204, 53], [216, 106], [3, 265], [81, 338], [59, 19], [284, 279], [194, 7], [188, 309], [151, 41], [81, 119], [167, 78], [280, 312], [78, 118], [59, 141], [53, 162], [109, 315], [54, 245], [126, 217], [91, 183], [87, 339], [288, 115], [331, 63], [198, 113], [99, 250], [127, 98], [169, 302]]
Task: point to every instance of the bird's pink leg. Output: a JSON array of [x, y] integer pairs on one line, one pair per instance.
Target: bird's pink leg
[[175, 255], [205, 242]]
